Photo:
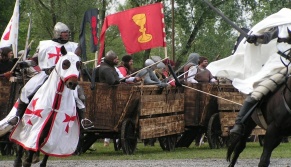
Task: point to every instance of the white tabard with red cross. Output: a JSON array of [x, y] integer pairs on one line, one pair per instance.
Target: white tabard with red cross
[[63, 135], [50, 52]]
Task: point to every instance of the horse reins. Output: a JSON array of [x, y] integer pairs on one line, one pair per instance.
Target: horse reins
[[286, 76]]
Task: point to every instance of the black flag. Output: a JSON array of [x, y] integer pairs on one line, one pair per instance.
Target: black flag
[[91, 17]]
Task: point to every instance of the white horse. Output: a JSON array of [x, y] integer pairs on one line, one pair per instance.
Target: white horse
[[50, 123]]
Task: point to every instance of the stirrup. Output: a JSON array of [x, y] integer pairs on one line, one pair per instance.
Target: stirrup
[[91, 125], [12, 124]]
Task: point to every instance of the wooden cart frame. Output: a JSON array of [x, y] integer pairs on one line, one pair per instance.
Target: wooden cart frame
[[131, 112], [211, 115]]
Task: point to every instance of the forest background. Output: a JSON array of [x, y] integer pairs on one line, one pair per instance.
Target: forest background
[[190, 27]]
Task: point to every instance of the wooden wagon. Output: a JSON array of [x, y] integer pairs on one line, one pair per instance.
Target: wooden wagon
[[9, 92], [206, 114], [131, 112]]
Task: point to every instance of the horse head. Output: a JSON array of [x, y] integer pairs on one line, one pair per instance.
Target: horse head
[[68, 68]]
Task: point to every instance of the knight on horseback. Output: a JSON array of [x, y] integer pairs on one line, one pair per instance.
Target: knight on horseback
[[46, 57], [271, 81]]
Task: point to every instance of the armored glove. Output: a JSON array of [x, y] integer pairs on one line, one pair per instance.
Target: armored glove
[[252, 39]]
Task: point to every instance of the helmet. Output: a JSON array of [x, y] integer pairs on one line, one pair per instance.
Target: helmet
[[149, 62], [59, 28], [193, 58], [161, 65]]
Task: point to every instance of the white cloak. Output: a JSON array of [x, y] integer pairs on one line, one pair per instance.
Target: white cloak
[[251, 64]]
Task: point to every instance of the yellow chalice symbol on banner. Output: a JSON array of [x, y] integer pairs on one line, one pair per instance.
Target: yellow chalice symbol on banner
[[140, 20]]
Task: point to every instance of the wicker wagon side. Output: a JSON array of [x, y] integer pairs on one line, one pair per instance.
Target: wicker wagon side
[[199, 106], [228, 110], [9, 92], [106, 104], [161, 112]]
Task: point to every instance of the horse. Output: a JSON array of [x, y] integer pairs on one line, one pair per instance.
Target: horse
[[275, 108], [50, 119]]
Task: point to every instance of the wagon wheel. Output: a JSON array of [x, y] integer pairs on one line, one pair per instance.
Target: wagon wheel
[[214, 134], [128, 137], [168, 143], [117, 144]]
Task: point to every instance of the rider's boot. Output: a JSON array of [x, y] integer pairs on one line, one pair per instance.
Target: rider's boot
[[86, 123], [238, 128], [19, 113]]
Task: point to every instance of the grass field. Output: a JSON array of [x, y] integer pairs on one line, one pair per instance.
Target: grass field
[[253, 151]]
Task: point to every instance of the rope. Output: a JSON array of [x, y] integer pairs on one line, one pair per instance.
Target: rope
[[211, 94]]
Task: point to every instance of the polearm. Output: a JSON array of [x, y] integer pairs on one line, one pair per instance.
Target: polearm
[[20, 57], [86, 62], [182, 67], [226, 19], [143, 69], [27, 37]]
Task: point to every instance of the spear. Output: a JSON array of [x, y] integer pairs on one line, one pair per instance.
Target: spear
[[27, 37]]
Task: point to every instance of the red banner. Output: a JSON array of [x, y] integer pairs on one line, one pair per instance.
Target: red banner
[[140, 28]]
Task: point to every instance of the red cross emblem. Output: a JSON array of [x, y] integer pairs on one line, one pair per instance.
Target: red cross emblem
[[33, 111], [68, 119], [57, 55]]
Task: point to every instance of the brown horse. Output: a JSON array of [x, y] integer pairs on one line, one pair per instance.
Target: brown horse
[[276, 111]]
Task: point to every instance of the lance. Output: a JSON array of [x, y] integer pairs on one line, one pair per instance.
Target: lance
[[226, 19]]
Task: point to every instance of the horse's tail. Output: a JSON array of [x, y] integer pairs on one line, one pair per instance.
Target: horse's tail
[[234, 139]]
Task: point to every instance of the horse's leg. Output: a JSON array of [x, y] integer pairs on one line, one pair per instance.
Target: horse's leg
[[44, 161], [19, 154], [27, 162], [35, 158], [241, 144], [271, 140]]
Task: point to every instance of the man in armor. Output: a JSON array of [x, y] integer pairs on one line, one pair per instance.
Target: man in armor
[[200, 74], [270, 82], [192, 61], [149, 76], [46, 57]]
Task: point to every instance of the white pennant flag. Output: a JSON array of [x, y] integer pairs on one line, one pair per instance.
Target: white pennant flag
[[10, 35]]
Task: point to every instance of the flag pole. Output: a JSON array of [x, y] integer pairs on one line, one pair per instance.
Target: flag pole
[[173, 31]]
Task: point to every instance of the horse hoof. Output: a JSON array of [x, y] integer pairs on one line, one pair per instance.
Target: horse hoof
[[17, 163], [42, 165], [35, 159], [26, 164]]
